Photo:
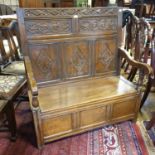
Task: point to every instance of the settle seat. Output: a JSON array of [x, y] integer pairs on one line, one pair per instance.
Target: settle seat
[[72, 63]]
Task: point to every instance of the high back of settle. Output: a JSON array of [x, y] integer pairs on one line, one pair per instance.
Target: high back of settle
[[72, 43]]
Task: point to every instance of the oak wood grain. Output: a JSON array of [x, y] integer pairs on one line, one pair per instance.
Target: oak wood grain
[[72, 65], [83, 92]]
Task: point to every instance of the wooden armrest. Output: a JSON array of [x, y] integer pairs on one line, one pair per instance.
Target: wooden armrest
[[139, 65], [32, 82], [30, 76]]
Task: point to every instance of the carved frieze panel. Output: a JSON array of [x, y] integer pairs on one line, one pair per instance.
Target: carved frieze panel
[[76, 58], [45, 27], [105, 53], [70, 12], [45, 62], [100, 24]]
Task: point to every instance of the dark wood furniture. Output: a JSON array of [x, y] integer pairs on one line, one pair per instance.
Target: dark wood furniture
[[73, 70], [52, 3], [152, 23], [151, 123], [12, 79], [145, 9], [150, 8], [123, 3], [10, 87], [11, 56], [149, 54], [137, 44], [46, 3], [8, 109], [31, 4], [60, 3]]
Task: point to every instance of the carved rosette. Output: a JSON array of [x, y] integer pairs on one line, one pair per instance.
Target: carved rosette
[[98, 24], [69, 12], [48, 27]]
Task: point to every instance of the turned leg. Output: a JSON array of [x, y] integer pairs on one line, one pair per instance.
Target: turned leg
[[10, 114], [132, 74], [126, 68], [123, 63], [151, 122], [146, 93]]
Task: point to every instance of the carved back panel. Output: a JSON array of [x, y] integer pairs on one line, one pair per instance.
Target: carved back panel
[[70, 43]]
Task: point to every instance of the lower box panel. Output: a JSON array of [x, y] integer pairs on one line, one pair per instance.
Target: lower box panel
[[63, 125]]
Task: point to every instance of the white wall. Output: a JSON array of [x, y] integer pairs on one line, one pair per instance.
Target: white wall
[[12, 3]]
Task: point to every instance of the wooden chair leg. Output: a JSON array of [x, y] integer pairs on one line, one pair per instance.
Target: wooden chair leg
[[146, 93], [132, 74], [123, 63], [10, 114], [126, 68], [151, 122]]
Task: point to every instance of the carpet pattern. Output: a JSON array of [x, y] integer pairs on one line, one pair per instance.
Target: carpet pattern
[[119, 139], [123, 138]]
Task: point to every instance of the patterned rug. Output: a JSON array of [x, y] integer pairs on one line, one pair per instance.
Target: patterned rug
[[119, 139]]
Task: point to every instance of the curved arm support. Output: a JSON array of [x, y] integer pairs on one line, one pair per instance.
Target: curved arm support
[[139, 65]]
